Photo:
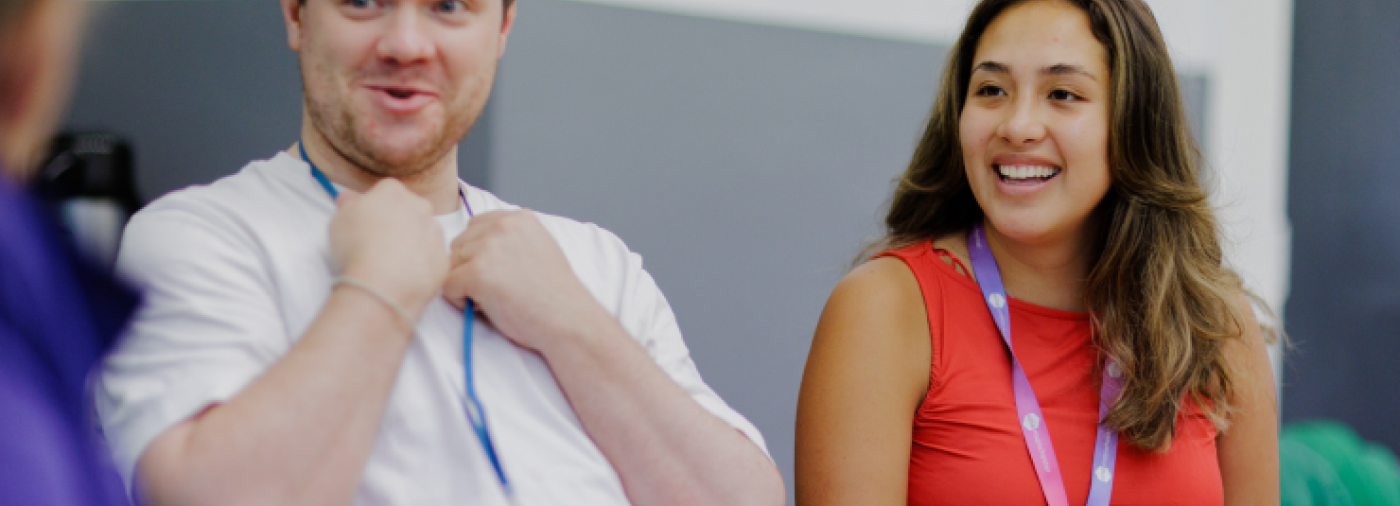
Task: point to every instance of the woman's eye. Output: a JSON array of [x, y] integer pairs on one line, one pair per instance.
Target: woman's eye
[[1063, 96], [362, 4], [990, 91]]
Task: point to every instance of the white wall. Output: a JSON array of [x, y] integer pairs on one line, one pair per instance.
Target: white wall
[[1191, 26], [1247, 124]]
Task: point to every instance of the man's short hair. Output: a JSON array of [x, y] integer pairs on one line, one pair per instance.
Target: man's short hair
[[504, 3]]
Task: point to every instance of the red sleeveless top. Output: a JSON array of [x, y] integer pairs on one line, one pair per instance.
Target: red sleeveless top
[[967, 447]]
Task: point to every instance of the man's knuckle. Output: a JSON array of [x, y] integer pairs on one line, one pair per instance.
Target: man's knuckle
[[471, 272]]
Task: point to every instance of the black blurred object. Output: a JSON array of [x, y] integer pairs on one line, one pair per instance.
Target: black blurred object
[[90, 164], [89, 179]]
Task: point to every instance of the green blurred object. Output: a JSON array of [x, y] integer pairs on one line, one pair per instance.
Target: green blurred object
[[1324, 463]]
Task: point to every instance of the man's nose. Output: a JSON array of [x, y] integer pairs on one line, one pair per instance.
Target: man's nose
[[406, 39]]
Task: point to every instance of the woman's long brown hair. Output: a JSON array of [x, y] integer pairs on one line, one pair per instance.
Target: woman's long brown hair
[[1162, 301]]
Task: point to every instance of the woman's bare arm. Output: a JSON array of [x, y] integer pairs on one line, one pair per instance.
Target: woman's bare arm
[[866, 374], [1248, 450]]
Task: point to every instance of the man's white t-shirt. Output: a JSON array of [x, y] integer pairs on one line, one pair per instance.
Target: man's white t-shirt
[[234, 272]]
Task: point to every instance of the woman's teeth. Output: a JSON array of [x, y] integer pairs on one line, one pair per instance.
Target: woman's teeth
[[1026, 173]]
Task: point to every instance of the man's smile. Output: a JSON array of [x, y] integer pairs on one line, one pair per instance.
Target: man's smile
[[401, 99]]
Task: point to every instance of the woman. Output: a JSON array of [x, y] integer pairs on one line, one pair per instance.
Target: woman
[[1057, 170]]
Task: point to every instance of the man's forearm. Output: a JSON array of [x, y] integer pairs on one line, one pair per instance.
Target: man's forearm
[[664, 445], [300, 433]]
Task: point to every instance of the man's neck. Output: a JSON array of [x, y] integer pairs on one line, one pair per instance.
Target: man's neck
[[1048, 273], [437, 183]]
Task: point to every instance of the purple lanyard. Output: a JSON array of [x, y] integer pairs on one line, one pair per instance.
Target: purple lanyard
[[1042, 450]]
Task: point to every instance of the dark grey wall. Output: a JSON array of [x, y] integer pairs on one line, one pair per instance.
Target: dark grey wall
[[746, 163], [200, 87], [1344, 310]]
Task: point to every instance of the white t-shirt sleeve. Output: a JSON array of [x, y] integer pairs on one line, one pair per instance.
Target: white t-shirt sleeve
[[644, 313], [208, 325], [660, 335]]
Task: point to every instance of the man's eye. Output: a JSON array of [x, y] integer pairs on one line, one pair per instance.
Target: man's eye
[[361, 4], [450, 6]]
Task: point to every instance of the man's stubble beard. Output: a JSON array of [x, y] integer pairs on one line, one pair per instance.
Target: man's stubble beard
[[336, 124]]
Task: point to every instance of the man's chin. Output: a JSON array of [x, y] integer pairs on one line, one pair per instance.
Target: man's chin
[[401, 157]]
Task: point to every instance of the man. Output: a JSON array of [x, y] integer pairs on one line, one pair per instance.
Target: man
[[58, 312], [299, 350]]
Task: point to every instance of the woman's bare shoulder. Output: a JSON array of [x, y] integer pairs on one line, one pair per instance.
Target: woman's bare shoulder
[[879, 308], [884, 286]]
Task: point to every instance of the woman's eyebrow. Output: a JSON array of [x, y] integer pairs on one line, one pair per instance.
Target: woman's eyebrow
[[992, 66], [1060, 69]]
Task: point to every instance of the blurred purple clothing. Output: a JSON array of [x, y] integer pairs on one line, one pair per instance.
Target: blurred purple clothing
[[59, 314]]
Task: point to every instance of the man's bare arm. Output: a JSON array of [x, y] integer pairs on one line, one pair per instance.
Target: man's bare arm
[[302, 431], [665, 446]]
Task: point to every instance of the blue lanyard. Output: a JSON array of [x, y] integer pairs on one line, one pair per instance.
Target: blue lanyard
[[1037, 434], [475, 414]]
